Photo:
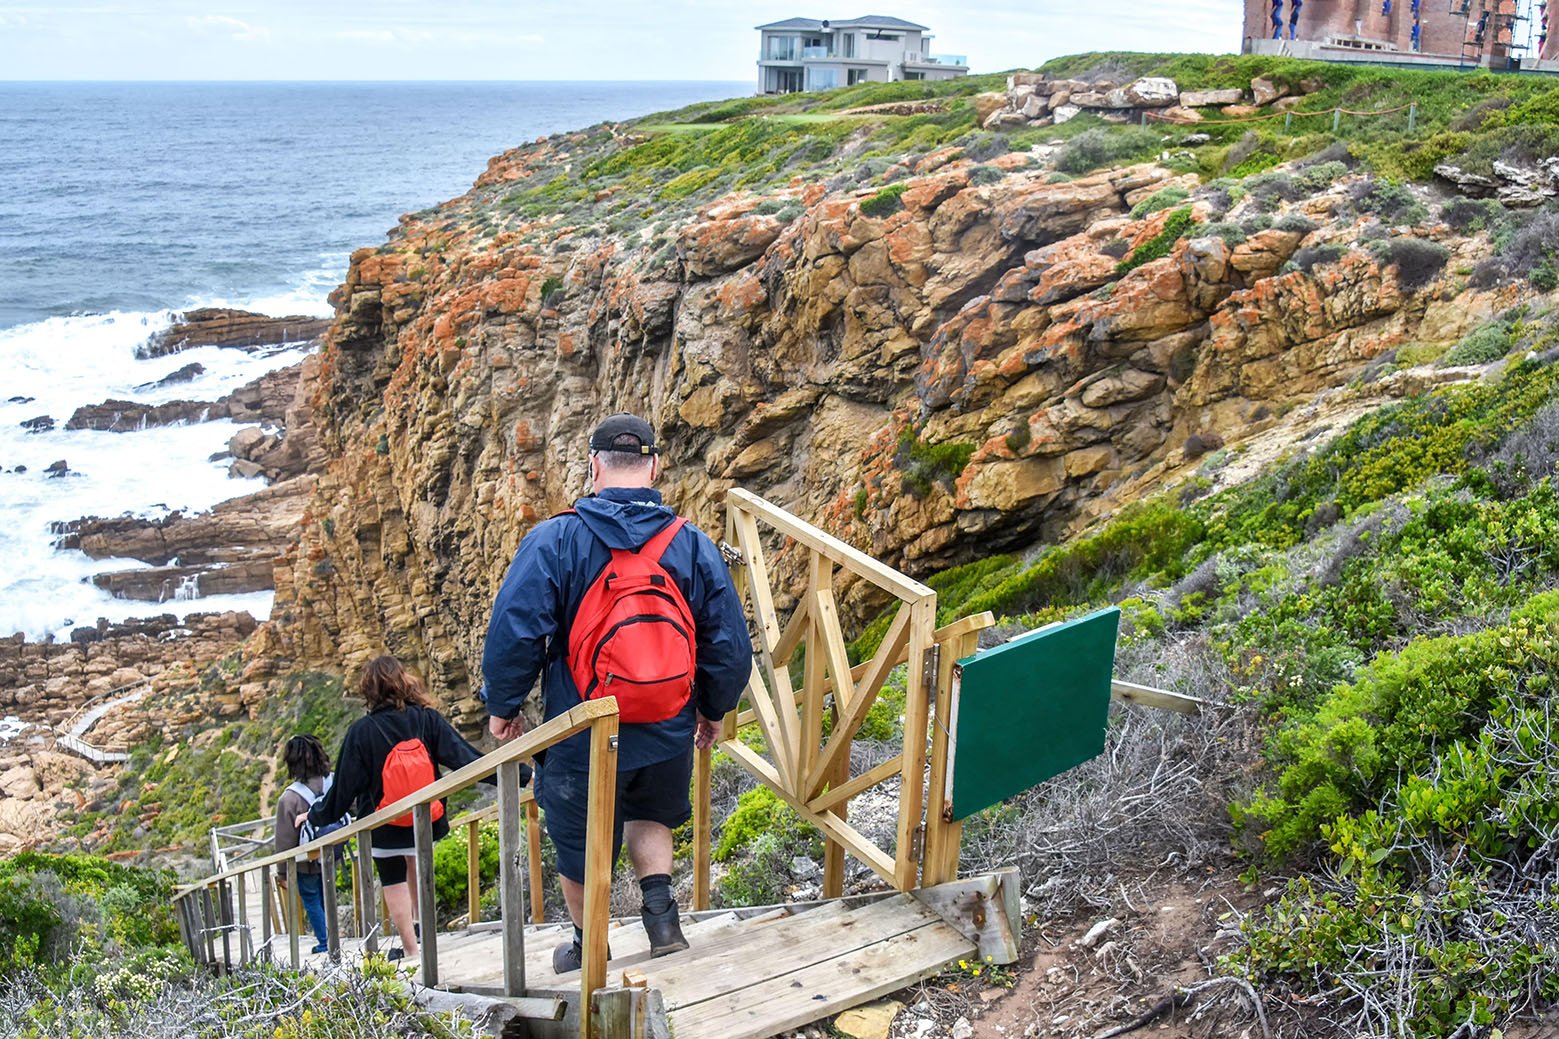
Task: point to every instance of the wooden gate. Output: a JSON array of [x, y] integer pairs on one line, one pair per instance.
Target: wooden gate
[[807, 763]]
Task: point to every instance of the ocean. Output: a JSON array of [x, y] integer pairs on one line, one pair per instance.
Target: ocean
[[122, 204]]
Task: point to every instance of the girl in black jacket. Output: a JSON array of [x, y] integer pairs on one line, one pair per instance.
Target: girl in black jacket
[[398, 711]]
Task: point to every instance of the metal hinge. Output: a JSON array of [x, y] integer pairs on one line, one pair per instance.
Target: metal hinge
[[930, 665]]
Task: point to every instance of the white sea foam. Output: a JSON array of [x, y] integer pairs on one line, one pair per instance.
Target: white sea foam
[[65, 362]]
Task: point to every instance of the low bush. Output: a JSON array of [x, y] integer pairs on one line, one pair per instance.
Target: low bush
[[1164, 198], [1179, 222], [1100, 146], [1480, 346], [1417, 262], [1308, 258], [886, 202], [1388, 200]]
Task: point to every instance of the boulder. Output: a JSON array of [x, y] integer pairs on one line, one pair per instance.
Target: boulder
[[59, 468], [184, 374], [1474, 184], [1035, 107], [1181, 114], [1151, 92], [1514, 196], [987, 104], [1264, 91], [1063, 113], [41, 424], [1004, 119], [1203, 98], [1240, 111]]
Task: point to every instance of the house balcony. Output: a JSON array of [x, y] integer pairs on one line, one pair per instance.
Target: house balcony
[[947, 60]]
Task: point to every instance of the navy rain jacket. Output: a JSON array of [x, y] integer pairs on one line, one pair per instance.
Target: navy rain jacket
[[555, 565]]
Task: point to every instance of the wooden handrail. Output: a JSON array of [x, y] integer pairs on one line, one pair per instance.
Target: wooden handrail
[[543, 736]]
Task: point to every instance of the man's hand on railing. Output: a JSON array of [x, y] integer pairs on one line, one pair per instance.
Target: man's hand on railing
[[505, 729], [705, 733]]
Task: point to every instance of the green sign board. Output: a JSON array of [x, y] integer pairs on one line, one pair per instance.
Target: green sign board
[[1029, 710]]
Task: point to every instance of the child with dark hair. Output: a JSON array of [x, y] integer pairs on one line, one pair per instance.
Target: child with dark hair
[[309, 770], [396, 749]]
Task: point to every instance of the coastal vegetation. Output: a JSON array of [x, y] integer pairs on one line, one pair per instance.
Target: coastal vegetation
[[1371, 614]]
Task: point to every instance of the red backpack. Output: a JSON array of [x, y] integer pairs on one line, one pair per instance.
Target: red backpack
[[633, 635], [407, 769]]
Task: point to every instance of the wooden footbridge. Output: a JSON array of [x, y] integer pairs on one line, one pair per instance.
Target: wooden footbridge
[[750, 972]]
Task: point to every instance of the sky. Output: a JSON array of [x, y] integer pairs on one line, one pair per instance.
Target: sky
[[544, 39]]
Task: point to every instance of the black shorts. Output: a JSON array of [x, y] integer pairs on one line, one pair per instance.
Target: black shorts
[[656, 793], [391, 869]]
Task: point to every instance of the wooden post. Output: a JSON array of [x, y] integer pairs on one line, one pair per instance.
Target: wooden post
[[1412, 116], [598, 861], [943, 835], [538, 896], [208, 925], [474, 873], [701, 775], [1336, 119], [292, 921], [511, 883], [365, 870], [243, 915], [225, 921], [833, 851], [906, 869], [427, 912], [265, 911], [1288, 121], [357, 892], [327, 886]]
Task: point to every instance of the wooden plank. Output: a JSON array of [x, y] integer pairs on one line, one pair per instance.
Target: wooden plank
[[833, 851], [944, 834], [701, 826], [916, 718], [814, 667], [826, 988], [611, 1013], [474, 867], [1148, 696], [545, 735], [244, 950], [538, 901], [830, 823], [838, 795], [753, 956], [327, 887], [427, 908], [784, 747], [598, 860], [367, 878], [292, 919], [831, 634], [852, 559], [977, 908], [511, 884], [860, 701], [769, 716], [795, 631]]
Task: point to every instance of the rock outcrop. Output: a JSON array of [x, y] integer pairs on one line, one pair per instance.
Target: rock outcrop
[[266, 399], [834, 363], [236, 329]]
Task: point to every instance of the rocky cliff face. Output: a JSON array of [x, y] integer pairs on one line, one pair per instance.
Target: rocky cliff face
[[970, 369]]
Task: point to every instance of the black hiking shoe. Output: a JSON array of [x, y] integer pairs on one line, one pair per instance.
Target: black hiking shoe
[[570, 956], [665, 931]]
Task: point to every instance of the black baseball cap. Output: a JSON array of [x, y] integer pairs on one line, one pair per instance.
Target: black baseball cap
[[623, 432]]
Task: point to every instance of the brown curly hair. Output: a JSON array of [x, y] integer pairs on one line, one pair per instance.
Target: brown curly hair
[[386, 683]]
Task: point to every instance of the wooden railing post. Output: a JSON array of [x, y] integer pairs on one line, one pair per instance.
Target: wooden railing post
[[511, 880], [370, 893], [265, 912], [701, 777], [943, 835], [538, 896], [244, 950], [327, 887], [427, 912], [474, 868], [208, 924], [598, 861], [292, 920]]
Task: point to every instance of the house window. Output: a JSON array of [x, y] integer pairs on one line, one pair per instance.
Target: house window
[[856, 76], [847, 45], [822, 79], [914, 75], [882, 36]]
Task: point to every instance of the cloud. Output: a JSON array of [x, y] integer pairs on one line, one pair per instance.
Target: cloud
[[232, 28]]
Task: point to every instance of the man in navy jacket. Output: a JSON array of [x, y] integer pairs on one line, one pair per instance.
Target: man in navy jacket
[[528, 636]]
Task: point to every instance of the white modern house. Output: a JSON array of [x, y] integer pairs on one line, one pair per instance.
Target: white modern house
[[806, 54]]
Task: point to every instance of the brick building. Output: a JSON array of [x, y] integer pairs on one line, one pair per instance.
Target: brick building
[[1498, 34]]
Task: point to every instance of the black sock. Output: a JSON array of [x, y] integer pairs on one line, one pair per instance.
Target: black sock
[[657, 892], [579, 936]]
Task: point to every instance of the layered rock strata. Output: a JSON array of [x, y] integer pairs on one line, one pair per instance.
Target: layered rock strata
[[975, 371], [235, 329]]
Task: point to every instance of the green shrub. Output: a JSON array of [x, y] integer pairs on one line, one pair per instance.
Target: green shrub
[[1164, 198], [451, 867], [1480, 346], [924, 464], [1100, 146], [1309, 258], [1417, 261], [886, 202], [1179, 222]]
